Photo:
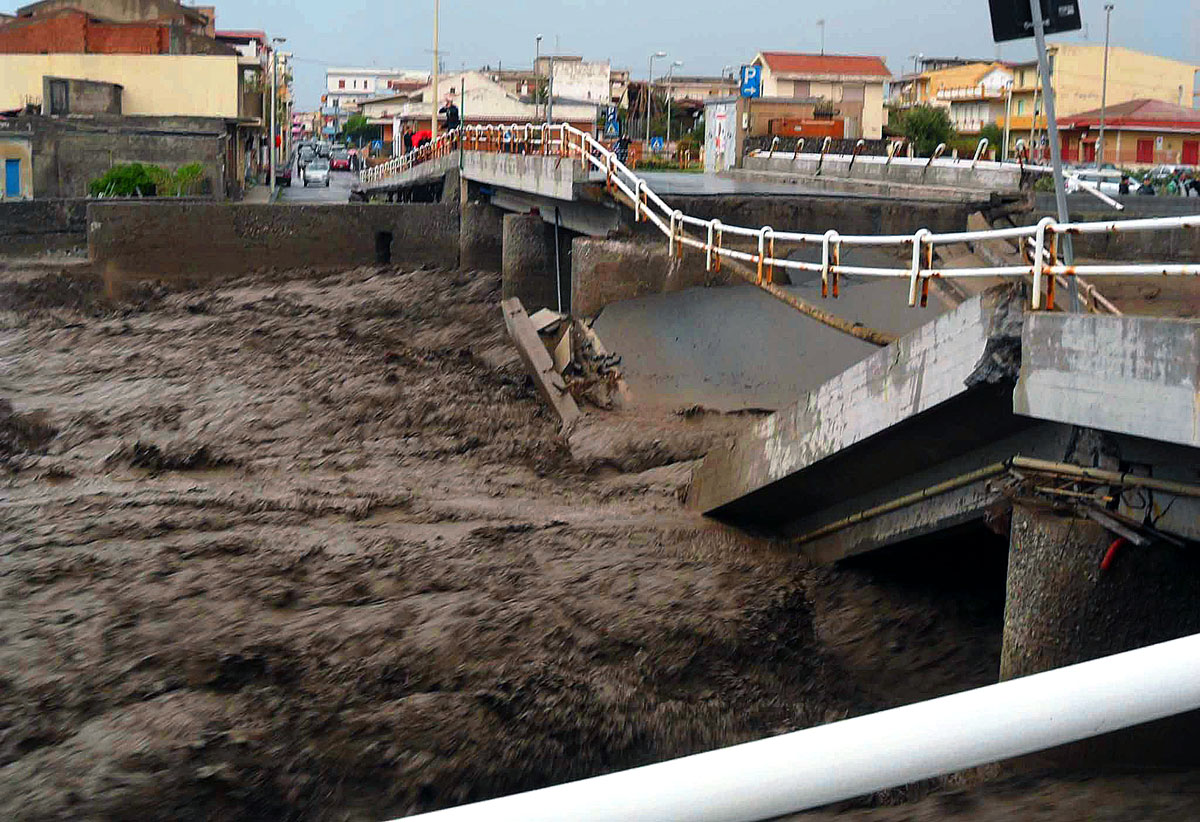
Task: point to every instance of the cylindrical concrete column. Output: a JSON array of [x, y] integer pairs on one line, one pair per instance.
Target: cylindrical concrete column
[[1062, 609], [528, 262], [481, 238]]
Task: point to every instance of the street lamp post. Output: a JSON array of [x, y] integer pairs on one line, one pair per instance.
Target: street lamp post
[[670, 76], [650, 92], [433, 103], [821, 25], [1108, 10], [275, 41], [537, 80]]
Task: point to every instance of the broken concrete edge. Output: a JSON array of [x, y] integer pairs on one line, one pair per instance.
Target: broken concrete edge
[[918, 372], [592, 338], [539, 364]]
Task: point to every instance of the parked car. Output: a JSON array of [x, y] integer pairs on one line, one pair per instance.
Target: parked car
[[339, 160], [316, 173], [283, 176], [1107, 180]]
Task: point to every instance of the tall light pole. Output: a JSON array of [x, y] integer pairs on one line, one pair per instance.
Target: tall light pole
[[1108, 10], [650, 92], [670, 76], [1060, 192], [821, 25], [537, 81], [433, 103], [275, 41]]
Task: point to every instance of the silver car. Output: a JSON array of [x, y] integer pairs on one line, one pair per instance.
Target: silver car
[[316, 172]]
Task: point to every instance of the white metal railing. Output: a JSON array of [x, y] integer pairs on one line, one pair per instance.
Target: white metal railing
[[766, 247], [855, 757]]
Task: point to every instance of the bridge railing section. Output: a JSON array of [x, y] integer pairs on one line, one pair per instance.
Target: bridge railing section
[[767, 249]]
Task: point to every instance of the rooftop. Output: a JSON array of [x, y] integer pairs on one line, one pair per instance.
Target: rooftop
[[826, 64], [1139, 113]]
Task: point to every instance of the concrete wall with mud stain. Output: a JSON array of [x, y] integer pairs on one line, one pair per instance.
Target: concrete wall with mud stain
[[204, 242], [38, 226]]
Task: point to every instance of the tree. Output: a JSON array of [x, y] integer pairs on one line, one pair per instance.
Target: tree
[[357, 126], [926, 127], [994, 135]]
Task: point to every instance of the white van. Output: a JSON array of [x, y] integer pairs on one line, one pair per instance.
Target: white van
[[1107, 180]]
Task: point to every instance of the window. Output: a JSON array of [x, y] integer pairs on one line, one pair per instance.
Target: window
[[1020, 107], [801, 89], [854, 93], [58, 98], [341, 83]]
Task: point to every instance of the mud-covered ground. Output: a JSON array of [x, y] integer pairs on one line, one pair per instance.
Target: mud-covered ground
[[310, 548]]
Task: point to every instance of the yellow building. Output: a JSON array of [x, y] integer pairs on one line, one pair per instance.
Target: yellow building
[[163, 85], [1078, 74]]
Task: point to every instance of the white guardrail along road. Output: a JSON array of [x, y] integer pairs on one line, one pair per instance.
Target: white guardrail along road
[[769, 247]]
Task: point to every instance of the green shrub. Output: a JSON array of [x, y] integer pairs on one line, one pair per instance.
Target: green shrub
[[926, 127], [132, 180], [137, 180]]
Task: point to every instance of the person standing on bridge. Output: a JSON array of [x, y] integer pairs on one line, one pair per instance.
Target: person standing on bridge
[[451, 112]]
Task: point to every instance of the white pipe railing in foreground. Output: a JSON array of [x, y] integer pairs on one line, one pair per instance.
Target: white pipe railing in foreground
[[808, 769], [768, 249]]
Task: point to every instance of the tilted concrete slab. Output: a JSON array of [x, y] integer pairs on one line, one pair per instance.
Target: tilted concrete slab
[[1126, 375], [764, 474], [901, 171], [425, 174]]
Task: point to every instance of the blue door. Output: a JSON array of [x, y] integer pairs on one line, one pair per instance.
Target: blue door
[[12, 178]]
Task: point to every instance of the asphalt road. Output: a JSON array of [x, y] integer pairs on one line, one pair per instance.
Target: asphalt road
[[338, 191]]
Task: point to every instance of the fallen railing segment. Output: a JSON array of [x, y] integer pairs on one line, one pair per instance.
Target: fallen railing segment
[[770, 247], [807, 769]]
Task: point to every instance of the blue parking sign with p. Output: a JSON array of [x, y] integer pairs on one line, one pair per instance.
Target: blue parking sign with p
[[751, 81]]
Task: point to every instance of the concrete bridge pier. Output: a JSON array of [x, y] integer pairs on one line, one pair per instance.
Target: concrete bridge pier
[[481, 236], [535, 267], [1061, 609]]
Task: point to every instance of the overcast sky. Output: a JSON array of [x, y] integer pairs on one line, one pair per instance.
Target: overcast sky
[[705, 34]]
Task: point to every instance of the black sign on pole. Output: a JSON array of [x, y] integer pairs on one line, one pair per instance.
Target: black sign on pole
[[1013, 19]]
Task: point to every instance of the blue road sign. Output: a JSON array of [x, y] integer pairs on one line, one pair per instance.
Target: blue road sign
[[751, 81], [657, 144], [612, 127]]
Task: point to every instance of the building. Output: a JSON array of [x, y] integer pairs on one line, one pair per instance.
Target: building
[[980, 100], [82, 131], [852, 87], [75, 30], [480, 100], [346, 88], [1078, 74], [1138, 133], [696, 88], [167, 60]]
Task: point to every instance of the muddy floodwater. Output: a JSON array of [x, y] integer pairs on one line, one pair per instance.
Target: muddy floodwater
[[308, 547]]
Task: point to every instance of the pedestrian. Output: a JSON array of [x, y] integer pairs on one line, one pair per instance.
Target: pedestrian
[[451, 112], [407, 139], [1123, 188], [623, 148]]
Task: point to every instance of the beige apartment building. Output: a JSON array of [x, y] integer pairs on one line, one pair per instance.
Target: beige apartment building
[[852, 85]]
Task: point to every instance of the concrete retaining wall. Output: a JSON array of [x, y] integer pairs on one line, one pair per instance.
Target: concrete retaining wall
[[36, 226], [608, 271], [901, 170], [200, 242]]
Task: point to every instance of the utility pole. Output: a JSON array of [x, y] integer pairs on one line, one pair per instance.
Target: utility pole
[[650, 93], [537, 80], [550, 93], [1007, 123], [275, 42], [1108, 10], [670, 77], [821, 24], [1060, 192], [433, 103]]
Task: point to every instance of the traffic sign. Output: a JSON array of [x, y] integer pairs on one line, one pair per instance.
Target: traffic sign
[[657, 144], [751, 81], [612, 126], [1013, 19]]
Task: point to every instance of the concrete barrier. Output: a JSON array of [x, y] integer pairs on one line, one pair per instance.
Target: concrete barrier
[[609, 271], [903, 171], [481, 243], [190, 243], [37, 226]]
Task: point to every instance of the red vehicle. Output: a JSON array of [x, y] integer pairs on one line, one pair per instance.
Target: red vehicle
[[339, 160]]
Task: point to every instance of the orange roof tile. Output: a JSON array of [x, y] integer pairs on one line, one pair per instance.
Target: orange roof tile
[[825, 65]]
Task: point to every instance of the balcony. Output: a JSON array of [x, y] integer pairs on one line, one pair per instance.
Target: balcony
[[250, 106]]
